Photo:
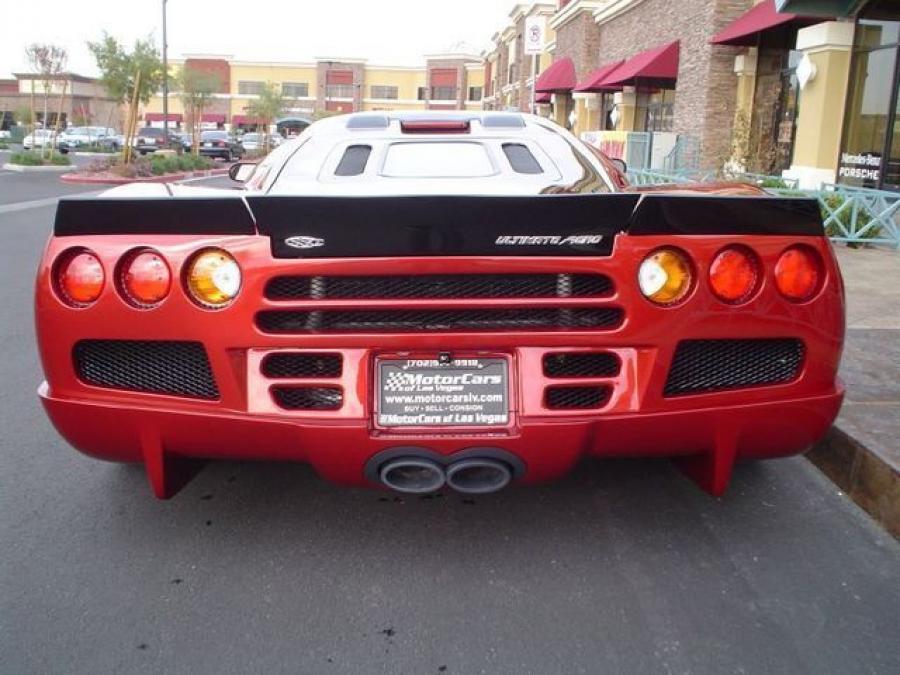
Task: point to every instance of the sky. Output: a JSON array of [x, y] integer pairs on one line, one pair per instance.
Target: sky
[[387, 32]]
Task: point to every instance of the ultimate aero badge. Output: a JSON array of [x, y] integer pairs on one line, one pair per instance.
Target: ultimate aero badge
[[304, 242], [548, 240]]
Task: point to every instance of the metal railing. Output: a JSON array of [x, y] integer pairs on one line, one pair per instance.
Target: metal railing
[[850, 214]]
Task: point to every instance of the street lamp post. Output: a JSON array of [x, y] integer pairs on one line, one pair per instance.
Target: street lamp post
[[165, 61]]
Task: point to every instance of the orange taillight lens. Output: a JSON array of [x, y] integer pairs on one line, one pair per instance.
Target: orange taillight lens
[[80, 278], [144, 278], [213, 278], [798, 273], [665, 276], [734, 274]]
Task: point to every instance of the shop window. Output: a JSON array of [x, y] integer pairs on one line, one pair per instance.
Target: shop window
[[384, 91], [443, 93], [660, 114], [421, 93], [295, 89], [870, 151], [250, 87], [339, 90], [474, 94]]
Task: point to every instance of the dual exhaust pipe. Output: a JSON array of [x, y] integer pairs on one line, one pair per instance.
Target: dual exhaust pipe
[[421, 475]]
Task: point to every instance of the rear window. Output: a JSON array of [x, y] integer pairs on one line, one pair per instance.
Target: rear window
[[150, 131], [437, 160], [214, 135], [354, 160], [520, 158]]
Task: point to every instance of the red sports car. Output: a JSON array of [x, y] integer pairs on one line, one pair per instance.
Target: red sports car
[[420, 300]]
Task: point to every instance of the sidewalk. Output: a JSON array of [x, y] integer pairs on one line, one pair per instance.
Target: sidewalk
[[862, 452]]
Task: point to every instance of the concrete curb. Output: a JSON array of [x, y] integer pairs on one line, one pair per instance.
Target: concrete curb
[[166, 178], [862, 474], [36, 169]]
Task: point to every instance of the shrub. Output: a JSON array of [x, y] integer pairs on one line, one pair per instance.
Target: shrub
[[26, 159], [863, 218], [4, 145], [60, 160]]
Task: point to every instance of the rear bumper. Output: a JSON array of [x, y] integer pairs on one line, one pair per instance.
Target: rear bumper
[[709, 438]]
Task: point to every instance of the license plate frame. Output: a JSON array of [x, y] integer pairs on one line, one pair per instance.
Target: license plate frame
[[451, 400]]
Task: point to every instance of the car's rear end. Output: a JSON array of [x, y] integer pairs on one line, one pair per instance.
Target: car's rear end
[[411, 340]]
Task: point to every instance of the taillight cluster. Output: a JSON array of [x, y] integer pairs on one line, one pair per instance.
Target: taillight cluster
[[667, 275], [143, 278]]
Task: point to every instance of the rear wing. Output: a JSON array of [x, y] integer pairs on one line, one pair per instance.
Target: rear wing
[[539, 225]]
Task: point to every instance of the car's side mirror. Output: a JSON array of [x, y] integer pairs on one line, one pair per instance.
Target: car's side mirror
[[619, 164], [240, 172]]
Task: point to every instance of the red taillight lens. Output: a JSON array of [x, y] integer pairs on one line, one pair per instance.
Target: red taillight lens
[[80, 278], [144, 278], [798, 273], [734, 275], [434, 126]]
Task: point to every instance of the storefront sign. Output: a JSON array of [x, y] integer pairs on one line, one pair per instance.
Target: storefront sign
[[862, 166]]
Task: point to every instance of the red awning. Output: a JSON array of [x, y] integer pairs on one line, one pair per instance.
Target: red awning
[[592, 81], [542, 98], [560, 76], [654, 65], [212, 117], [746, 30], [159, 117], [246, 119]]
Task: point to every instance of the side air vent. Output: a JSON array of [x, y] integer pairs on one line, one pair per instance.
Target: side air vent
[[301, 365], [714, 365], [581, 364], [575, 398], [150, 366], [308, 398]]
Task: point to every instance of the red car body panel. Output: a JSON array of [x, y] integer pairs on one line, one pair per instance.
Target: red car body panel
[[533, 200], [708, 432]]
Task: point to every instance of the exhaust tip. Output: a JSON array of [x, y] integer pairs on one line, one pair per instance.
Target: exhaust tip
[[412, 475], [478, 476]]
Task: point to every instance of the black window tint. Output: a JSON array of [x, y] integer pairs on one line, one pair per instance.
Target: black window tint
[[521, 159], [353, 163]]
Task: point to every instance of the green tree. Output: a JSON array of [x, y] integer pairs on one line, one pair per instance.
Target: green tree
[[196, 90], [129, 77], [267, 107]]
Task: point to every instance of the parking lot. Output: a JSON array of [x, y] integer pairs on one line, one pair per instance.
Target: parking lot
[[623, 567]]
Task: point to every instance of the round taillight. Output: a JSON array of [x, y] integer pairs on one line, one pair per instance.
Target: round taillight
[[734, 274], [665, 276], [144, 278], [798, 273], [213, 278], [80, 278]]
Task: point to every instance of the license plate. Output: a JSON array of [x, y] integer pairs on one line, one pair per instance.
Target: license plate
[[424, 392]]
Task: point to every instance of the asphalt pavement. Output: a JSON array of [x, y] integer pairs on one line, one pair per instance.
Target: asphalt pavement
[[624, 567]]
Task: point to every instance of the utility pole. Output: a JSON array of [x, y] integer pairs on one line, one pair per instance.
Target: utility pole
[[165, 79]]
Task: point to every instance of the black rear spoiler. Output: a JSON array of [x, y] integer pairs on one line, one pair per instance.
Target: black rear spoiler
[[326, 227]]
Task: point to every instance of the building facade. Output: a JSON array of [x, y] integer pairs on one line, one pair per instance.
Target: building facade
[[70, 97], [810, 92], [327, 85]]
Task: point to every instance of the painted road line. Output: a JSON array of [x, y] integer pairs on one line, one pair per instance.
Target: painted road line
[[40, 203]]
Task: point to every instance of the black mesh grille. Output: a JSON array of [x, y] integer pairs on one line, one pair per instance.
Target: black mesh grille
[[440, 286], [712, 365], [418, 320], [308, 398], [581, 364], [573, 398], [158, 367], [301, 365]]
